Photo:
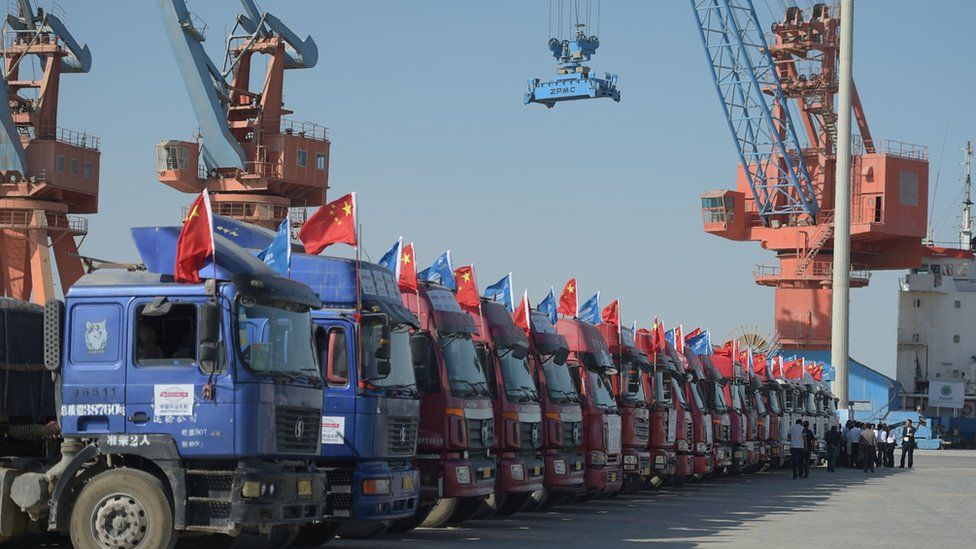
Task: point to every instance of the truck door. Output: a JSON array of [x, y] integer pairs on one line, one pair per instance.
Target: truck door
[[335, 343], [166, 391]]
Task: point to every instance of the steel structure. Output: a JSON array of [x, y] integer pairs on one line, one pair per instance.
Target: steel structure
[[778, 96], [255, 162], [48, 174]]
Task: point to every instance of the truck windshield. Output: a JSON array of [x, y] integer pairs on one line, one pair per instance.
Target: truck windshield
[[677, 392], [275, 339], [720, 404], [696, 395], [465, 374], [662, 389], [760, 405], [811, 403], [774, 402], [632, 386], [601, 391], [739, 400], [519, 384], [559, 382], [401, 381]]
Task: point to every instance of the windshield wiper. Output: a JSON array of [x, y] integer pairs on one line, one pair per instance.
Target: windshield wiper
[[527, 394], [475, 387], [404, 388], [569, 396]]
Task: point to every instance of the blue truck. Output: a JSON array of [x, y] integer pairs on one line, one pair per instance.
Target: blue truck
[[372, 404], [140, 411]]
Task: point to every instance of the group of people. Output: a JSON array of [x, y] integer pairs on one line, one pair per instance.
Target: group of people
[[857, 445]]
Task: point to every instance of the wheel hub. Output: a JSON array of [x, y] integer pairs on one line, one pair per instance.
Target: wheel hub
[[119, 520]]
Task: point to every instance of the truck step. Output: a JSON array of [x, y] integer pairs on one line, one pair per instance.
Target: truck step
[[203, 499], [209, 473]]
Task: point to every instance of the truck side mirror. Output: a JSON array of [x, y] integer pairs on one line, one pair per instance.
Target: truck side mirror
[[589, 361], [209, 336], [560, 356], [418, 348], [383, 351], [383, 369], [519, 353]]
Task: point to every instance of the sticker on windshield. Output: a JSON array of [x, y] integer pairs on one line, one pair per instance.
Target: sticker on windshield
[[173, 400], [443, 301], [333, 430]]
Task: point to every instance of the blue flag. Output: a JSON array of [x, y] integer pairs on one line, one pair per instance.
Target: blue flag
[[548, 306], [701, 343], [441, 271], [391, 259], [501, 292], [669, 337], [589, 312], [278, 254]]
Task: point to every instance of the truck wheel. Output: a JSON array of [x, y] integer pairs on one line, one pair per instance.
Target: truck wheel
[[440, 514], [362, 529], [535, 501], [122, 508], [557, 498], [404, 525], [468, 509], [512, 504]]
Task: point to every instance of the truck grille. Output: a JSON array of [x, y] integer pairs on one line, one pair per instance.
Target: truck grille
[[568, 435], [297, 430], [401, 436], [690, 431], [525, 435], [725, 432], [475, 438], [642, 427]]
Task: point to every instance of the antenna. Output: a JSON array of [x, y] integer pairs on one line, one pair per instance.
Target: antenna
[[966, 230]]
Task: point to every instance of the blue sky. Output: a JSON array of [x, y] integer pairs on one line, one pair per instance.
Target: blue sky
[[424, 104]]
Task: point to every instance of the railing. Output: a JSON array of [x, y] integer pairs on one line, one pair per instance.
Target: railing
[[310, 130], [816, 270], [906, 150], [24, 220], [247, 211], [83, 140]]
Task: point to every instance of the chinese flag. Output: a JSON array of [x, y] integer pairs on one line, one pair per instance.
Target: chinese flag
[[408, 269], [611, 313], [658, 340], [334, 223], [467, 287], [196, 242], [568, 304], [793, 369], [521, 313]]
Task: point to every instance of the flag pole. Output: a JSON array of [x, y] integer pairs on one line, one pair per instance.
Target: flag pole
[[359, 286]]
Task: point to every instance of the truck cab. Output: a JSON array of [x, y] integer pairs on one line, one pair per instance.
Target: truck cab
[[457, 424], [756, 404], [562, 412], [702, 438], [372, 404], [503, 350], [591, 366], [633, 401], [731, 378], [711, 384], [200, 403], [668, 440], [775, 393]]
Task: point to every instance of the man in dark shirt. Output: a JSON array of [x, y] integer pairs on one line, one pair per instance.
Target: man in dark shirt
[[907, 443], [809, 445], [834, 443]]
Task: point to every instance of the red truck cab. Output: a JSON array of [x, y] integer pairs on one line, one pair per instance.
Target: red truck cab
[[710, 383], [562, 412], [702, 434], [503, 349], [729, 377], [764, 419], [592, 367], [668, 442], [633, 401], [457, 424]]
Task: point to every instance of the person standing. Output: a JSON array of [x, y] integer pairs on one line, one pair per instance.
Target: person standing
[[853, 436], [809, 443], [834, 443], [890, 446], [907, 443], [797, 447], [882, 439], [843, 447], [867, 444]]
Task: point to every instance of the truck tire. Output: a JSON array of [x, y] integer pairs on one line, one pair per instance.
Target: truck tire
[[468, 509], [442, 511], [535, 501], [122, 508], [362, 529], [513, 503], [314, 535], [404, 525]]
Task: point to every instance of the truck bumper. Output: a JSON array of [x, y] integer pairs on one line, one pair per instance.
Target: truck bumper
[[704, 464], [636, 463], [265, 494], [457, 478], [686, 465], [607, 480], [564, 472], [664, 463], [518, 474], [400, 502]]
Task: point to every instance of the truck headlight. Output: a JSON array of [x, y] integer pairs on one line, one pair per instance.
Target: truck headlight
[[660, 460], [518, 472], [682, 445], [376, 487], [598, 458], [559, 466], [700, 448], [630, 459], [463, 474], [251, 489]]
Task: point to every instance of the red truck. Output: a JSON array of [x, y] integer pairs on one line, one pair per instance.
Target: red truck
[[701, 433], [765, 422], [562, 412], [633, 401], [709, 382], [592, 367], [671, 458], [503, 349], [457, 424], [728, 377]]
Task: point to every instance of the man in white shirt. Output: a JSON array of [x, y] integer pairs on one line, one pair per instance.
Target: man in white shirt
[[853, 436], [797, 447], [882, 444]]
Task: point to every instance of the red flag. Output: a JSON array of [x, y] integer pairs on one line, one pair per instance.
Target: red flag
[[693, 333], [195, 243], [568, 304], [334, 223], [658, 340], [408, 269], [793, 369], [467, 287], [679, 341], [611, 313], [521, 314]]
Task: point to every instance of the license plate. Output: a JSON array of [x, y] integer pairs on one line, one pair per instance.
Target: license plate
[[537, 470], [579, 465], [486, 472], [407, 482], [305, 488], [613, 477], [646, 471]]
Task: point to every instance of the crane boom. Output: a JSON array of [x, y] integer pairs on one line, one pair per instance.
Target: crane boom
[[755, 108]]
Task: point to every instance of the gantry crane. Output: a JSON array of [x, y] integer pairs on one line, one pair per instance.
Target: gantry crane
[[255, 162], [784, 193], [48, 174]]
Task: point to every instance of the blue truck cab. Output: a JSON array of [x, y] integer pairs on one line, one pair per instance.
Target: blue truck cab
[[182, 408]]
